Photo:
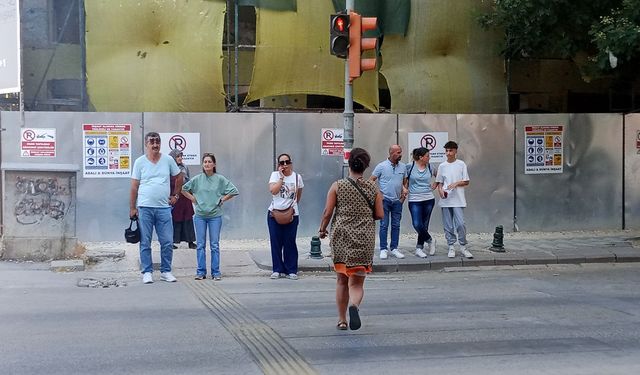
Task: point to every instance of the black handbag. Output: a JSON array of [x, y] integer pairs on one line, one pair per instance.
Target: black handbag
[[132, 235]]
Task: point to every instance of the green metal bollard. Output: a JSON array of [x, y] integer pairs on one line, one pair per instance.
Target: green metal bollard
[[316, 252], [498, 236]]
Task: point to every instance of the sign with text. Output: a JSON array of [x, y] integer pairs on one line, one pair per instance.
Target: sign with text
[[188, 143], [332, 141], [106, 150], [432, 141], [38, 142], [9, 47], [543, 153]]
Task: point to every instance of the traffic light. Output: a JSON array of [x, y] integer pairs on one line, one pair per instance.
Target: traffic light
[[357, 44], [339, 41]]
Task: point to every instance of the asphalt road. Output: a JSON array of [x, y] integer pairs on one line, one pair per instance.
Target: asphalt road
[[569, 319]]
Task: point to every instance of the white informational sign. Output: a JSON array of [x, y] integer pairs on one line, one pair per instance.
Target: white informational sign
[[332, 141], [38, 142], [188, 143], [638, 142], [9, 47], [543, 149], [106, 150], [432, 141]]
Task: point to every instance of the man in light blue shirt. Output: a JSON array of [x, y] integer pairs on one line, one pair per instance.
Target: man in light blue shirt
[[391, 175], [150, 200]]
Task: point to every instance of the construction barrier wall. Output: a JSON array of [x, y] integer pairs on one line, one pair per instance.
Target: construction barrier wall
[[598, 187]]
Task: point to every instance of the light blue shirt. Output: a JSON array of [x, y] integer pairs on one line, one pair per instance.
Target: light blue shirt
[[155, 180], [419, 183], [390, 178]]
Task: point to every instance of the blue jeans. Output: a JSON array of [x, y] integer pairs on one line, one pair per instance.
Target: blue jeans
[[214, 225], [161, 219], [393, 209], [420, 217], [284, 251]]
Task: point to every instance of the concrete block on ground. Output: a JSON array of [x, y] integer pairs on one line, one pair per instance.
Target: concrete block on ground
[[98, 255], [67, 265], [38, 249]]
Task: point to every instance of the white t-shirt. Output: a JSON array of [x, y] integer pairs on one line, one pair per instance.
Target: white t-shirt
[[449, 173], [286, 194]]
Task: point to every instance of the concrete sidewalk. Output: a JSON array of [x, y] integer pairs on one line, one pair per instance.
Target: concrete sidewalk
[[520, 249], [253, 257]]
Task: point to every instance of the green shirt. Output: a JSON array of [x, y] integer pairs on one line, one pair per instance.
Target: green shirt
[[208, 190]]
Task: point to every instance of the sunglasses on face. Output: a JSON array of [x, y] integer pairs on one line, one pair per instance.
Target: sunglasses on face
[[284, 162], [154, 140]]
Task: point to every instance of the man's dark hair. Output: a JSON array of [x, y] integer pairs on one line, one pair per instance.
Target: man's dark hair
[[451, 144], [151, 135], [359, 160]]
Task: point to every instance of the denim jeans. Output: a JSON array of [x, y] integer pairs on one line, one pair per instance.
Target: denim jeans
[[420, 217], [284, 251], [453, 221], [213, 225], [393, 209], [160, 218]]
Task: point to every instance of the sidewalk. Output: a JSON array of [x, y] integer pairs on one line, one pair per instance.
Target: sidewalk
[[253, 257]]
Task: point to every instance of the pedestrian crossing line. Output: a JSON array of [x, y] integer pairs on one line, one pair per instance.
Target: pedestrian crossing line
[[270, 351]]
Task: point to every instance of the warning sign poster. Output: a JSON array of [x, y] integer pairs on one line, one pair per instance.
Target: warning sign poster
[[38, 142], [543, 149], [332, 141], [106, 150]]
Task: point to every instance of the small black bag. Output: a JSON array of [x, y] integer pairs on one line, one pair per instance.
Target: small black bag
[[132, 235]]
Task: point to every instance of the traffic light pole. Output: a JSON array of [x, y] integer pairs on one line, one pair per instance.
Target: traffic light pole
[[348, 107]]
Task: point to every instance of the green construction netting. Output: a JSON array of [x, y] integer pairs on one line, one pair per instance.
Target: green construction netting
[[446, 63], [292, 57], [155, 56]]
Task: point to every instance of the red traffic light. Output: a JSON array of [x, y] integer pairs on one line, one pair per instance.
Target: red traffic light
[[339, 39]]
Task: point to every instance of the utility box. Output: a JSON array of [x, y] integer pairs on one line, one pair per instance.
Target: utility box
[[39, 212]]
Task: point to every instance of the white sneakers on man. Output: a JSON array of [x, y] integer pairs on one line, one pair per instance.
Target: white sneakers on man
[[452, 252], [432, 247], [420, 253], [384, 254], [168, 277], [466, 253], [147, 278], [396, 253]]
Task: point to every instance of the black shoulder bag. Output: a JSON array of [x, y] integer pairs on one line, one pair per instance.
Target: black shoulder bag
[[363, 196]]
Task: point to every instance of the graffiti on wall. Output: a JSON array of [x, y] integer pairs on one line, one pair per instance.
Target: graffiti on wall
[[40, 197]]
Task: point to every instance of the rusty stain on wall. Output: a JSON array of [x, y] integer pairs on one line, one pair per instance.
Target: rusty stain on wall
[[40, 198]]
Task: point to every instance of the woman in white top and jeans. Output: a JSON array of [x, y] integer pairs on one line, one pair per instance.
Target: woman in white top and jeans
[[421, 199], [285, 186]]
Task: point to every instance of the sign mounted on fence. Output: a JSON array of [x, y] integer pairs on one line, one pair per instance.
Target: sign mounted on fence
[[106, 150], [543, 152], [332, 141], [38, 142], [432, 141], [188, 143], [10, 47]]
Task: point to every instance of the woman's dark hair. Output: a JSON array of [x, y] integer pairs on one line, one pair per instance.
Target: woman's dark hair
[[419, 152], [213, 159], [359, 160]]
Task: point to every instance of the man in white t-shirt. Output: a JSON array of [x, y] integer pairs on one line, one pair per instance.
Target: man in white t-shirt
[[451, 180]]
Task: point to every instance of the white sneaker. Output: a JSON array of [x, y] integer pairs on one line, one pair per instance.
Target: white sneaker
[[452, 252], [168, 277], [396, 253], [292, 276], [275, 275], [467, 254], [384, 254], [147, 278], [432, 247], [420, 253]]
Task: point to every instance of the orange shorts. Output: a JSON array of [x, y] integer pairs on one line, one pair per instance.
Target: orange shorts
[[352, 271]]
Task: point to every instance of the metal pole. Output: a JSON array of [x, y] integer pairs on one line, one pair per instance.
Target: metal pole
[[348, 107], [236, 29]]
